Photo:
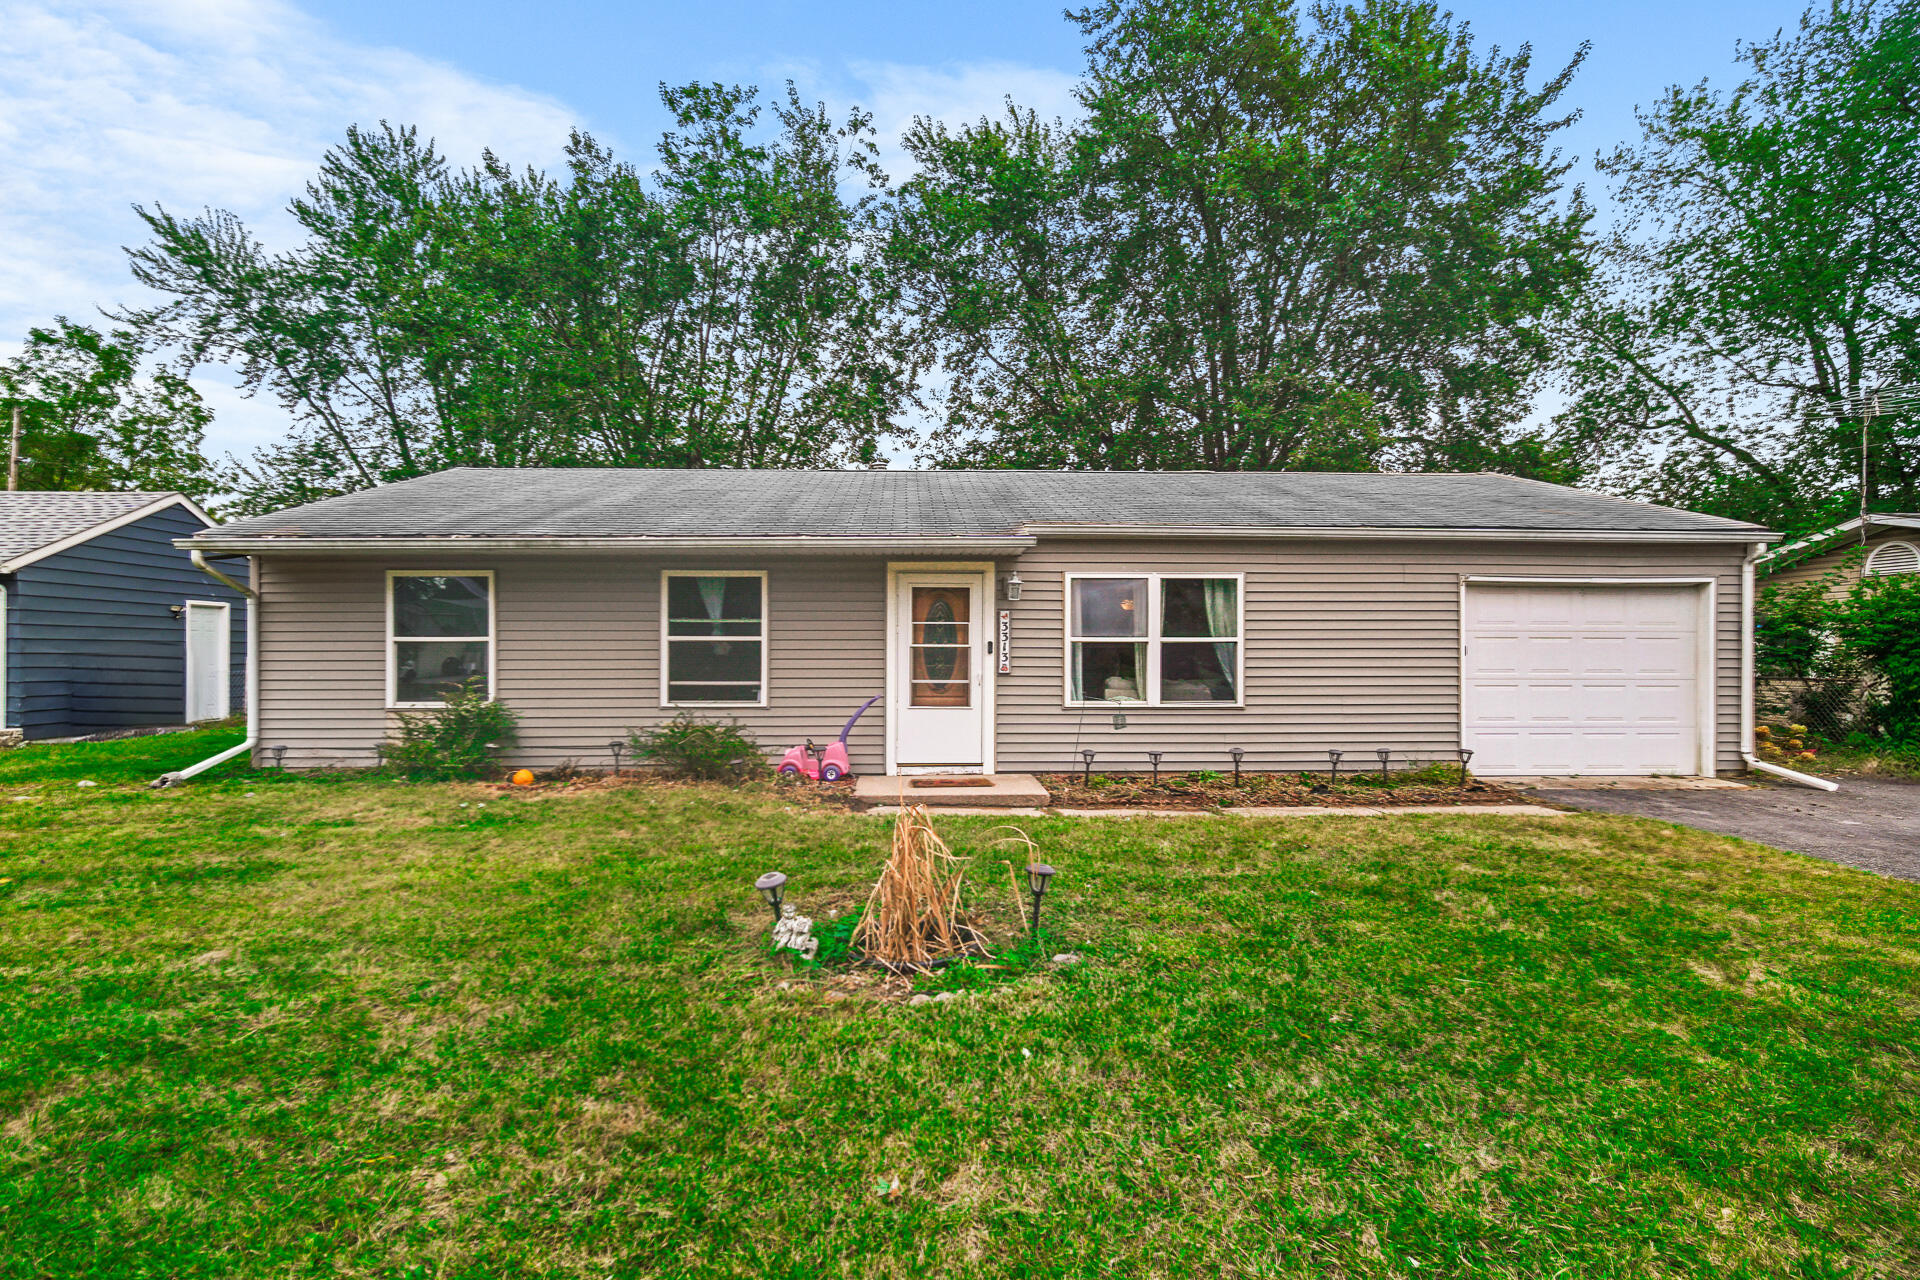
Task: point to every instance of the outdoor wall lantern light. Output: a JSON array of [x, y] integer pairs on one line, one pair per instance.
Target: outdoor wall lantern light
[[1238, 754], [1333, 767], [1086, 757], [1385, 754], [1466, 754], [1155, 757], [772, 887], [1010, 586], [616, 747], [1038, 873], [177, 610]]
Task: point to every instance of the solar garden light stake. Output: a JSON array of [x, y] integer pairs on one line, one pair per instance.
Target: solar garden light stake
[[1038, 873], [279, 757], [1385, 754], [1333, 767], [1466, 754], [1155, 757], [1237, 753], [1086, 774], [772, 887], [616, 747]]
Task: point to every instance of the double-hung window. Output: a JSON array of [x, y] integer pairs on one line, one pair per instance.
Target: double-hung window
[[439, 635], [1153, 638], [713, 639]]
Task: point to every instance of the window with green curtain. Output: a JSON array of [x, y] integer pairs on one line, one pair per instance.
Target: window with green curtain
[[715, 638], [1158, 639]]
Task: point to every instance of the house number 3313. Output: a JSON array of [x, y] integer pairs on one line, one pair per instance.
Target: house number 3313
[[1006, 640]]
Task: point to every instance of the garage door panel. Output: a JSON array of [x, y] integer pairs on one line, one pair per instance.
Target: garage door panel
[[1582, 679]]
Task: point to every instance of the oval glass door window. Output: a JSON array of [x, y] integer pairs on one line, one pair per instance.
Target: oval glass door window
[[942, 666]]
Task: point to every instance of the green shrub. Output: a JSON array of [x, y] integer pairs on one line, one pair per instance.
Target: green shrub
[[1793, 632], [689, 747], [457, 741], [1881, 622]]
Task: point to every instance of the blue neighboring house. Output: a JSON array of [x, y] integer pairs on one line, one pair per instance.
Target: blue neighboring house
[[108, 625]]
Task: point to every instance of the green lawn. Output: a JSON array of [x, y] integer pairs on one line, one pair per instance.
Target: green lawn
[[265, 1026]]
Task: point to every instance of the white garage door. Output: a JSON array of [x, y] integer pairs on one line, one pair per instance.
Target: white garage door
[[1582, 679]]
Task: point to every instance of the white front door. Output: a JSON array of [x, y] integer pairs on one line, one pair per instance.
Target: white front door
[[209, 660], [1574, 679], [938, 711]]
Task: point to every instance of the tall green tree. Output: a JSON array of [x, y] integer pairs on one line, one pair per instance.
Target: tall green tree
[[1276, 240], [92, 418], [1768, 276], [727, 310]]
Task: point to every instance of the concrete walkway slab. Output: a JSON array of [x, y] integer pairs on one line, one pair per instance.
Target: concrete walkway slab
[[1264, 811], [1002, 791], [960, 811]]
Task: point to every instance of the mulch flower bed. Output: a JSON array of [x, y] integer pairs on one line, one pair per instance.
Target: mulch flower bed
[[1183, 791]]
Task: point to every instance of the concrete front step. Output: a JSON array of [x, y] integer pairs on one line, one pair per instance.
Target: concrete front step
[[1003, 791]]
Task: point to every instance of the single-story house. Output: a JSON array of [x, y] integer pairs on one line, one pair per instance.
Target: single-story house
[[1870, 546], [107, 624], [1014, 619]]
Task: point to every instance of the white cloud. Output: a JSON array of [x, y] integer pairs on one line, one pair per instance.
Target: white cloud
[[196, 103], [229, 104], [959, 95]]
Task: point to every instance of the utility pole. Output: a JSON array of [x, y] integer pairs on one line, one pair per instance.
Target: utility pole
[[13, 453]]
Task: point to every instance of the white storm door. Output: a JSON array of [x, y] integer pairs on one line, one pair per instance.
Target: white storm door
[[939, 652], [1565, 679], [209, 661]]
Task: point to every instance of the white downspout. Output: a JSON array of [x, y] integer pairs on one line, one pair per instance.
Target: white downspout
[[1753, 762], [253, 675]]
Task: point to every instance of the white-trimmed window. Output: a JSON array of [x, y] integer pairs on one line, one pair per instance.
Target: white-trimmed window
[[1155, 639], [713, 639], [1893, 557], [439, 634]]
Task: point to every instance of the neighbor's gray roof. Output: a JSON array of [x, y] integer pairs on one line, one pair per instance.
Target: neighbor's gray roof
[[33, 519], [541, 503]]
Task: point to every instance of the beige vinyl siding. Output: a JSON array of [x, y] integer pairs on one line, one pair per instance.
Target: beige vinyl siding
[[1352, 645], [577, 652], [1840, 566]]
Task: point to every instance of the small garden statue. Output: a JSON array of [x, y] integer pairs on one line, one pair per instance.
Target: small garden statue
[[795, 933]]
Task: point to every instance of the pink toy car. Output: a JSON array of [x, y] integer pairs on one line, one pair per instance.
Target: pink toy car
[[830, 765]]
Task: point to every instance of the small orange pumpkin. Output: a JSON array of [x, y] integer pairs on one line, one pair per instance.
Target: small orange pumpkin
[[523, 777]]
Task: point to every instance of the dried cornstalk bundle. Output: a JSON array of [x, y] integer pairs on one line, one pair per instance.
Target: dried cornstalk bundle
[[912, 918]]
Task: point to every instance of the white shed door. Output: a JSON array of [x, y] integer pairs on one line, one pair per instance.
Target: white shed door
[[1582, 679], [209, 662]]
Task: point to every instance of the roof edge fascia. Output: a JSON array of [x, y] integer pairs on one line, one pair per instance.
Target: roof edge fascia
[[1421, 532], [867, 545], [872, 544], [106, 526]]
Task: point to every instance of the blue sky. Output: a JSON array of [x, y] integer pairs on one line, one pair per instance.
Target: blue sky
[[228, 103]]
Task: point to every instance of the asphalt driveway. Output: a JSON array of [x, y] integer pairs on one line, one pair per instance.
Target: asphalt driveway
[[1870, 823]]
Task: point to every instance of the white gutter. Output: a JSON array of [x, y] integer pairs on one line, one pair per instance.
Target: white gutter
[[936, 546], [253, 677], [1753, 762], [852, 544], [1422, 533]]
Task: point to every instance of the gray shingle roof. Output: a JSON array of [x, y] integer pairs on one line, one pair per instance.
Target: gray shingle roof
[[33, 519], [608, 503]]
